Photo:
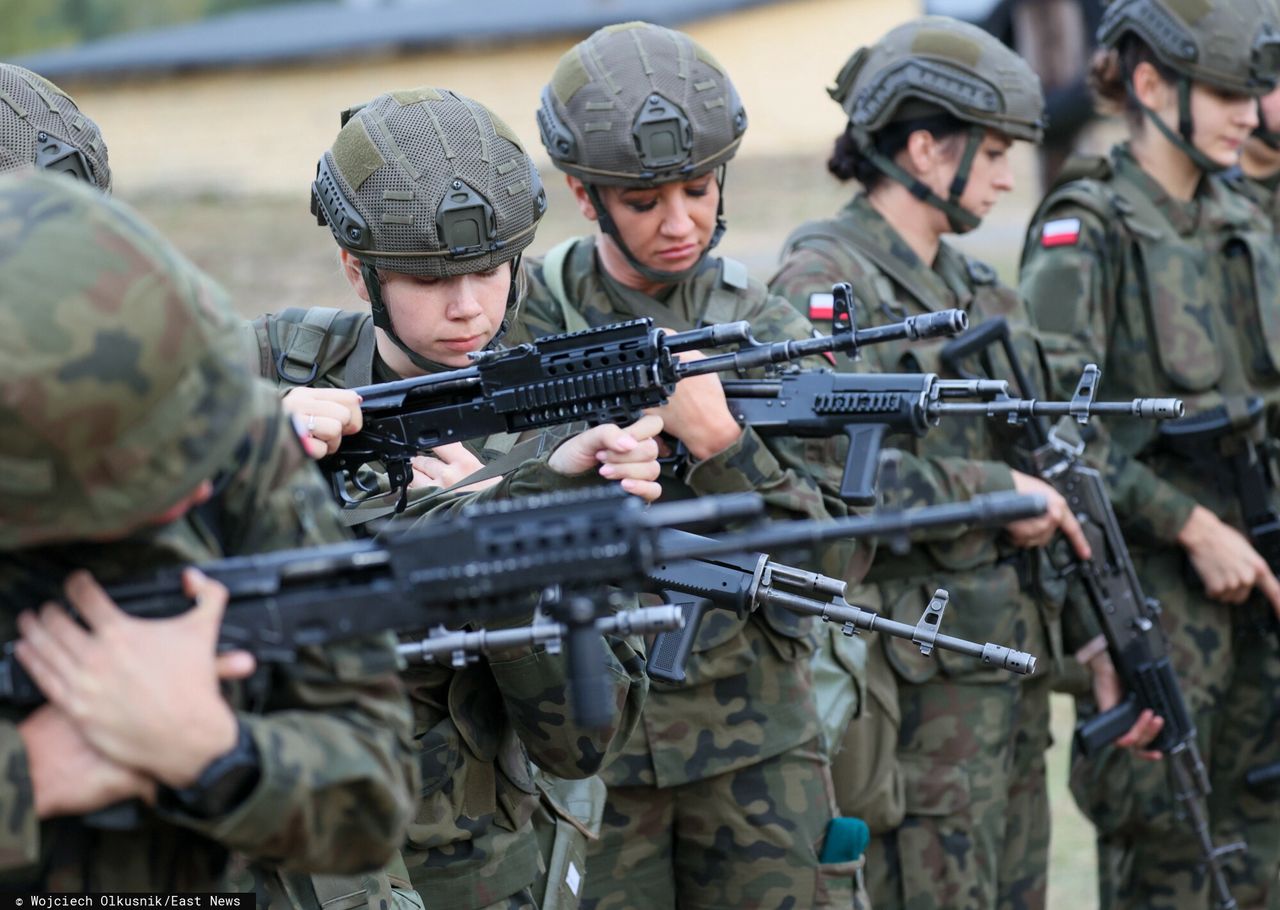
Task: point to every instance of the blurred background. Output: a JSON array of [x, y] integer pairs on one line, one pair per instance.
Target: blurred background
[[215, 112]]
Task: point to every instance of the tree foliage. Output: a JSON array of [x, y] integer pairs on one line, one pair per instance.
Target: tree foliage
[[36, 25]]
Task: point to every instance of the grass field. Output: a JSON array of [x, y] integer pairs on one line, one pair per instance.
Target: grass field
[[270, 254]]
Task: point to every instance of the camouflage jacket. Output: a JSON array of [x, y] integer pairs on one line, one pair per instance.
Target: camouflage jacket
[[333, 734], [479, 728], [953, 461], [1264, 192], [1178, 299], [747, 695]]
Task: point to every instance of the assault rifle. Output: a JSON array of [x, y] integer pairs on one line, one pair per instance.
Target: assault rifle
[[601, 375], [742, 583], [868, 406], [485, 564], [1130, 620]]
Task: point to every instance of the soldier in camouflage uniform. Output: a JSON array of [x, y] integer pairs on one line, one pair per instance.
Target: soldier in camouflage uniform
[[431, 199], [1258, 176], [134, 440], [41, 126], [722, 797], [961, 819], [1144, 263]]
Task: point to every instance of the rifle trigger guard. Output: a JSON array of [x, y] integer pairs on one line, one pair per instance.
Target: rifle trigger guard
[[926, 631]]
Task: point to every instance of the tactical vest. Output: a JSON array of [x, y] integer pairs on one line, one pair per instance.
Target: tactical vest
[[978, 569], [1193, 340]]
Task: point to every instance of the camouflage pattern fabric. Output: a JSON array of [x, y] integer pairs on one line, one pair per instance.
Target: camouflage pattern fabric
[[744, 839], [748, 697], [1177, 299], [474, 842], [333, 731], [976, 816]]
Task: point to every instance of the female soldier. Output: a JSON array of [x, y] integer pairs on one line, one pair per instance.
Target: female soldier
[[1142, 263], [722, 797], [933, 110], [432, 199]]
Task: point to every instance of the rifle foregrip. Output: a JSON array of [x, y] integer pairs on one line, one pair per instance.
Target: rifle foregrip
[[670, 653], [588, 685], [858, 486], [1103, 729]]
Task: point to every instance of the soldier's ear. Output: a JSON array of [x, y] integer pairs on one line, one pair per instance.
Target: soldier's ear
[[351, 271], [581, 197]]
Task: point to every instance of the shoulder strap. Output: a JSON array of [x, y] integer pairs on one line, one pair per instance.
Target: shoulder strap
[[305, 342], [732, 282], [553, 275]]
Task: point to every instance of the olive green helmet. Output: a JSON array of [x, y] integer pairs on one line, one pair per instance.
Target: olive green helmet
[[1230, 45], [427, 182], [40, 125], [931, 65], [638, 105], [122, 377]]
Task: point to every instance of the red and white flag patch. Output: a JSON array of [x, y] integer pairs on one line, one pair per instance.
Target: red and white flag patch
[[822, 306], [1061, 232]]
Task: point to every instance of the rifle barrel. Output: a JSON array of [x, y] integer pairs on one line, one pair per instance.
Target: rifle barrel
[[992, 508], [1149, 408]]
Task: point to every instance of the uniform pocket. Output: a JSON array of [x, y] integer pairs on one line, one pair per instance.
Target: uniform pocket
[[934, 789], [1183, 322]]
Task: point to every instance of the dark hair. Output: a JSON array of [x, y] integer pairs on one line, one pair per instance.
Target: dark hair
[[1111, 75], [847, 162]]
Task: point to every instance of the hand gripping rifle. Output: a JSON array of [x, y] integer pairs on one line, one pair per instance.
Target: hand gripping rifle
[[483, 565], [742, 581], [1130, 620], [868, 406], [601, 375]]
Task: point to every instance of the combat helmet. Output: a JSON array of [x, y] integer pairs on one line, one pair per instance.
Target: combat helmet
[[427, 182], [930, 65], [122, 379], [41, 125], [638, 105], [1230, 45]]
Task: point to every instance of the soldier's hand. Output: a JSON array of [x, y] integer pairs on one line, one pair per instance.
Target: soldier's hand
[[1037, 532], [1108, 692], [1228, 565], [627, 455], [697, 414], [128, 684], [323, 416], [68, 775], [445, 466]]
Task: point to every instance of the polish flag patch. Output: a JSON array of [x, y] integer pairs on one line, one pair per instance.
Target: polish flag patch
[[822, 306], [1062, 232]]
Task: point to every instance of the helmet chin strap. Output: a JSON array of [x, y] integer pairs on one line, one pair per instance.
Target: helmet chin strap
[[382, 316], [607, 225], [959, 218], [1182, 139]]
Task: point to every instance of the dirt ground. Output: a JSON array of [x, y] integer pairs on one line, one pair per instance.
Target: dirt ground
[[269, 252]]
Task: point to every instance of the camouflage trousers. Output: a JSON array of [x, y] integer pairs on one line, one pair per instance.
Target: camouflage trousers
[[975, 835], [1228, 662], [747, 839]]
